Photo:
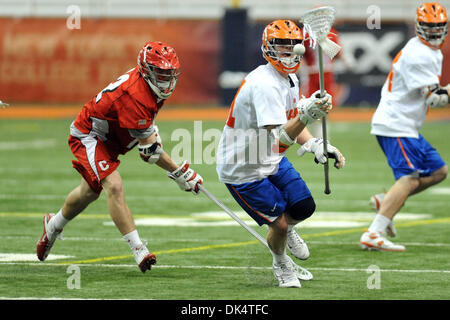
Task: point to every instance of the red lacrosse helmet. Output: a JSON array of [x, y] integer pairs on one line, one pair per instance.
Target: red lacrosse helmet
[[159, 66], [278, 40]]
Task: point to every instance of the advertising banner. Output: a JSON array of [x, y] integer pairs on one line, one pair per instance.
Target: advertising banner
[[42, 60]]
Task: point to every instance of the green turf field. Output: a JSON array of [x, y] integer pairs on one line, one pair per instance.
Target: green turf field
[[202, 253]]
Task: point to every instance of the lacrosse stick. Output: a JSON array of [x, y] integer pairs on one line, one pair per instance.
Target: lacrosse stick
[[302, 272], [317, 23]]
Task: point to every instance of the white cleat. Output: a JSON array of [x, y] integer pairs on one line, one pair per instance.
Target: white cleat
[[375, 203], [286, 275], [297, 246], [300, 272], [144, 258], [376, 241]]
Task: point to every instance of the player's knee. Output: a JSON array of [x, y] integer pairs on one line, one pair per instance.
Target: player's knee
[[303, 209], [113, 187], [280, 225], [90, 195], [113, 184], [442, 173]]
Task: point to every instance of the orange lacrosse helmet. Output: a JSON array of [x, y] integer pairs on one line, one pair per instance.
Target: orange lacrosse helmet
[[278, 41], [431, 24]]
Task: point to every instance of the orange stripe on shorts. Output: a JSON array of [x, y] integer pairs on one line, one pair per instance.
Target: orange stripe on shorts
[[255, 211], [404, 154]]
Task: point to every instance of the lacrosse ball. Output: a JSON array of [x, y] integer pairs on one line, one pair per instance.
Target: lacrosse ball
[[299, 49]]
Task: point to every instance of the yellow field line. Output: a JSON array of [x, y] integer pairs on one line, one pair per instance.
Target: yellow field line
[[245, 243], [227, 245]]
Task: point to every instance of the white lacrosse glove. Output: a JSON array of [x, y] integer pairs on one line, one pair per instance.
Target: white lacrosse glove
[[436, 96], [314, 107], [186, 178], [315, 145]]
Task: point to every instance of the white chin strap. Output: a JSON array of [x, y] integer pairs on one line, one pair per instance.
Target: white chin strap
[[158, 91], [288, 62], [435, 42]]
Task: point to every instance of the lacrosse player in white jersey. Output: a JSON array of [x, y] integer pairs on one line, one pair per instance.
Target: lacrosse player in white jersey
[[267, 117], [412, 87]]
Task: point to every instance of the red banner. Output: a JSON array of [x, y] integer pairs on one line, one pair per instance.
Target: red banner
[[41, 60]]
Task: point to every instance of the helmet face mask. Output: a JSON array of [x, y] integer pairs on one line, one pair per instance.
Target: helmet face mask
[[159, 66], [431, 24], [164, 80], [433, 33], [279, 39], [282, 50]]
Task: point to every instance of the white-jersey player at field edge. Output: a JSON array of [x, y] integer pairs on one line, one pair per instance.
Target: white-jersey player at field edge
[[412, 87], [266, 117]]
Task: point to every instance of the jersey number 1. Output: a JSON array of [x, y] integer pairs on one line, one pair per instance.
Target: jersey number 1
[[391, 74], [231, 119]]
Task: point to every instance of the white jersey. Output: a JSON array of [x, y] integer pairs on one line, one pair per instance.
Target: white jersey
[[245, 149], [402, 108]]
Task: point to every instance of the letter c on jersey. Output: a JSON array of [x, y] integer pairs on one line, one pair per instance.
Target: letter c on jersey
[[103, 165]]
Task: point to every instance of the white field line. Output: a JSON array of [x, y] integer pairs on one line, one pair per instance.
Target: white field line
[[37, 264], [226, 199], [440, 191], [24, 145], [59, 298], [182, 240]]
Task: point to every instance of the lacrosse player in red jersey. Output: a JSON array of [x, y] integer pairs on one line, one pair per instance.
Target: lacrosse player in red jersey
[[120, 117], [411, 88]]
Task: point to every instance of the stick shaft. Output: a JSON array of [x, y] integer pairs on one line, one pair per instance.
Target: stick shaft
[[324, 121], [231, 214]]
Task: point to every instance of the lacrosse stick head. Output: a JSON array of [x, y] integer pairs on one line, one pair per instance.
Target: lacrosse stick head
[[317, 23]]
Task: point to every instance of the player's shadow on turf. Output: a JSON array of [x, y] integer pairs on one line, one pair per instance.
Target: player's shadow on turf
[[258, 272]]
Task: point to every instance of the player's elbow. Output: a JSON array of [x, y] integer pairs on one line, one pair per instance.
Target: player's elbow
[[150, 153]]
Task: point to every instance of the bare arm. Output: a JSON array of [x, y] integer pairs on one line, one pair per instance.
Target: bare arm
[[296, 130], [304, 136]]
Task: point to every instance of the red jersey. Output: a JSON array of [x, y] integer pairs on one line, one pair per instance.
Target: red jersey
[[120, 113]]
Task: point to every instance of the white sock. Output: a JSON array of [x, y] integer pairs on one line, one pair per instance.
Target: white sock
[[133, 239], [58, 222], [279, 258], [379, 224]]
